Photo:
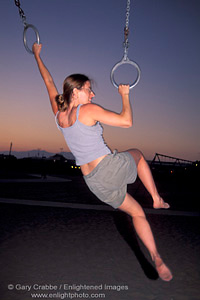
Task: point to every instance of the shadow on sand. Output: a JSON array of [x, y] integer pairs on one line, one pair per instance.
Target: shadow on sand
[[124, 226]]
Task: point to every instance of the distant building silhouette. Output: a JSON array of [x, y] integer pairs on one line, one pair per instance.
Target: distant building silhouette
[[58, 157]]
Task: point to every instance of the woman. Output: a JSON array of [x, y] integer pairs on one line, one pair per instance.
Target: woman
[[106, 174]]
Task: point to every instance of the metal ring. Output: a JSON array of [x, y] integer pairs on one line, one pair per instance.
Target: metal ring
[[125, 61], [24, 36]]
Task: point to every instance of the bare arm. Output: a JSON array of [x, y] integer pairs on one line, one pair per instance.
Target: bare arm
[[123, 119], [48, 80]]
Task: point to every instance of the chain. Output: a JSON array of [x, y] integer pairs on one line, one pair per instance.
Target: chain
[[126, 30], [21, 12], [127, 13], [26, 27]]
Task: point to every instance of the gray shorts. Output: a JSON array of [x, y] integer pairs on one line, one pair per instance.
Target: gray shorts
[[109, 179]]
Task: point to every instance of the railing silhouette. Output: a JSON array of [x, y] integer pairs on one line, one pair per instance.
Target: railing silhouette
[[165, 160], [164, 167]]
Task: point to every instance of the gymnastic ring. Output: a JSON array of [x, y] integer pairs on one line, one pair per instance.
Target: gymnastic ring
[[24, 36], [125, 61]]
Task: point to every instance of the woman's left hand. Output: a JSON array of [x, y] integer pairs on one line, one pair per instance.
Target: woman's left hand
[[36, 48]]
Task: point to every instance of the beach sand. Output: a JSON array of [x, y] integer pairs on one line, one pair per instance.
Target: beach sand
[[56, 247], [60, 235]]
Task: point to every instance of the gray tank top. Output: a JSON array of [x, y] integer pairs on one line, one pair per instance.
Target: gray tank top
[[85, 142]]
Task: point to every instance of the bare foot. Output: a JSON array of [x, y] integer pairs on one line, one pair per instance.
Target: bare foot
[[160, 203], [163, 271]]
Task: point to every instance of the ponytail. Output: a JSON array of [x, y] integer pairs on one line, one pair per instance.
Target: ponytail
[[71, 82], [61, 103]]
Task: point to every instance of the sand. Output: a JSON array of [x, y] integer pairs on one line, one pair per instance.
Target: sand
[[58, 247], [70, 250]]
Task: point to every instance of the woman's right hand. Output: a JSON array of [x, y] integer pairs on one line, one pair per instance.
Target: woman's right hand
[[123, 89], [36, 49]]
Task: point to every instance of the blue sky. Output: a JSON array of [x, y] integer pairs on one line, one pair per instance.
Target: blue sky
[[86, 37]]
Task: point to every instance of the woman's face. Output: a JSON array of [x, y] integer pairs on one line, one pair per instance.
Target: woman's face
[[85, 94]]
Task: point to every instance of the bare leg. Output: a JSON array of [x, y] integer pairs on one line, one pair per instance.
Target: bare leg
[[143, 229], [146, 177]]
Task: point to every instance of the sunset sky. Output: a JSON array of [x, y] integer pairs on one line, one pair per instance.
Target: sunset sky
[[86, 37]]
